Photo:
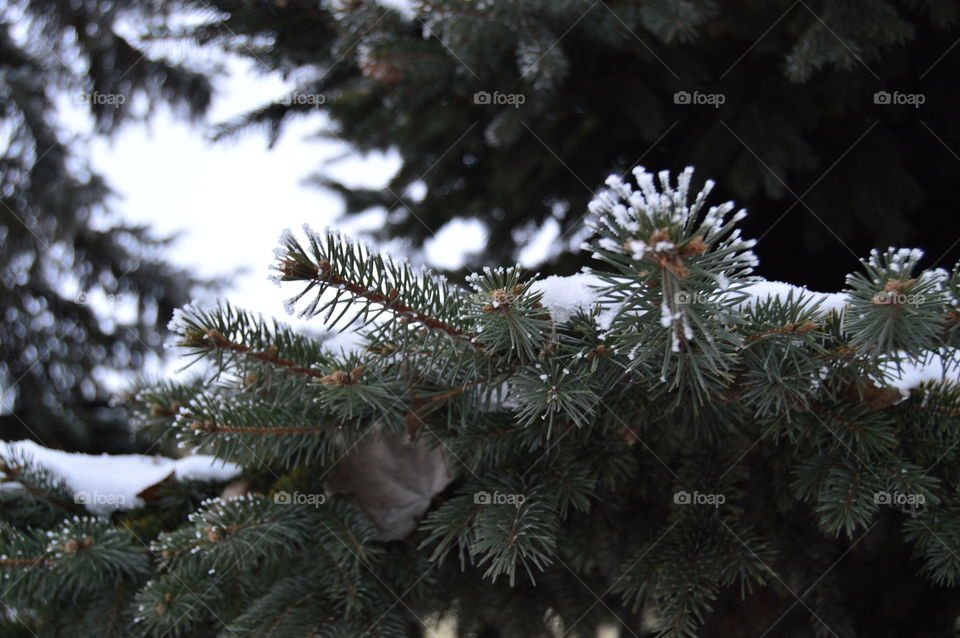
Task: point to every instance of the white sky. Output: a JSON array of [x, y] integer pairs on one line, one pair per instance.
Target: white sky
[[231, 200]]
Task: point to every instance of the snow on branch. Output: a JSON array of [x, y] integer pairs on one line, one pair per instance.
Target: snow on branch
[[107, 483]]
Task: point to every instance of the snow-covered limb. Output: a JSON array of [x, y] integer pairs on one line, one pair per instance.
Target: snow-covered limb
[[565, 398], [763, 290], [908, 374], [107, 483], [565, 296]]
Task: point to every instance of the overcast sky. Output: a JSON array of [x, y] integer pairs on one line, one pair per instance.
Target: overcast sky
[[231, 200]]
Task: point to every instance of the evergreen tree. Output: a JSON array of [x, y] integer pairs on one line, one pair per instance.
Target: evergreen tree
[[64, 256], [509, 112], [667, 444]]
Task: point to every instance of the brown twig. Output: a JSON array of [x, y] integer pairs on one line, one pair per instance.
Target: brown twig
[[23, 562], [209, 426]]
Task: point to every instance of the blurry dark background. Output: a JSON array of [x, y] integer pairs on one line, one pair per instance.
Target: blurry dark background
[[832, 122]]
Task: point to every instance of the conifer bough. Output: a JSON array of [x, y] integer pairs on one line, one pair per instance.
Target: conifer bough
[[665, 444]]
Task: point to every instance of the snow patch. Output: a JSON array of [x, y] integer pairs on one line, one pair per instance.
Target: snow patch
[[565, 296], [406, 8], [909, 374], [107, 483], [763, 290]]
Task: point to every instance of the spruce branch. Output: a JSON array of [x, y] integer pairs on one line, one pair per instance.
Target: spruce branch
[[581, 408], [936, 536], [84, 554], [500, 536], [549, 390], [892, 311], [508, 316], [365, 283], [677, 273], [49, 497], [227, 333]]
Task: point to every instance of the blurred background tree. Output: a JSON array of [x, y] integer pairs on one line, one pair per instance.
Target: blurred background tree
[[83, 296], [828, 166]]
